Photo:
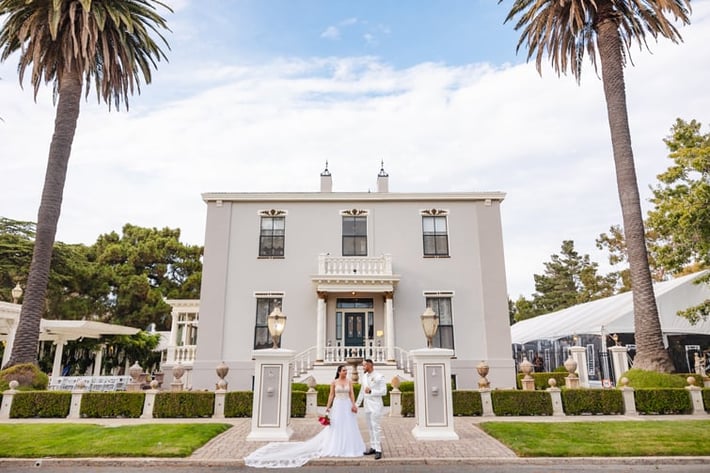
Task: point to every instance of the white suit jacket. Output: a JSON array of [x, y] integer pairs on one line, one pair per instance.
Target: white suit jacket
[[372, 402]]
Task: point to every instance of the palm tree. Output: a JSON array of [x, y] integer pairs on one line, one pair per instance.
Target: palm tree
[[71, 43], [565, 30]]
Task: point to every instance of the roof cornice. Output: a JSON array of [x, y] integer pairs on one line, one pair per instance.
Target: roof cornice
[[349, 196]]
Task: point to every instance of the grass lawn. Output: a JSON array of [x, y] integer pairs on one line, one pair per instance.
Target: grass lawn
[[604, 439], [88, 440]]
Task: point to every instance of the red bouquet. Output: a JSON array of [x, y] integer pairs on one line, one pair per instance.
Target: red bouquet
[[324, 420]]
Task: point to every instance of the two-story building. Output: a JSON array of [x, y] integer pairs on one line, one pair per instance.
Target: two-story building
[[353, 272]]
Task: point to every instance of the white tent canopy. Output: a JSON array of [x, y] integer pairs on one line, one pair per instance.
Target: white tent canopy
[[616, 314], [58, 331]]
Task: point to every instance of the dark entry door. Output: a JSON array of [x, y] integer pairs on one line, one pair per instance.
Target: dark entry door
[[354, 329]]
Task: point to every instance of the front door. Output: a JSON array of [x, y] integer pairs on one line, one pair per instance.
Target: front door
[[354, 329]]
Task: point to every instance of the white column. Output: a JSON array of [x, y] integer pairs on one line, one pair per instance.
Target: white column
[[9, 341], [320, 326], [57, 366], [619, 361], [98, 359], [433, 405], [389, 326], [271, 411], [579, 354]]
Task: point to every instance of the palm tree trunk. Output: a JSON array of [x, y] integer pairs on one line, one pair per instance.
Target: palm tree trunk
[[24, 348], [650, 352]]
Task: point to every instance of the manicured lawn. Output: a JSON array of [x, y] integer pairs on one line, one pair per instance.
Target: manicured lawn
[[88, 440], [605, 439]]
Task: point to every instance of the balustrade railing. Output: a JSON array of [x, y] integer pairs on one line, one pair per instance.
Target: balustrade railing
[[303, 361], [184, 354], [355, 265], [342, 354]]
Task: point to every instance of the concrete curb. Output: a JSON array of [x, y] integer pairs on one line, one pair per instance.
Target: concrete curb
[[188, 462]]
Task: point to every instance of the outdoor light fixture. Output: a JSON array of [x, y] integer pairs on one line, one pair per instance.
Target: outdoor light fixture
[[16, 293], [430, 323], [276, 322]]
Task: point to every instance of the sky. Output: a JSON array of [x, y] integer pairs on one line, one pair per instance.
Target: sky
[[258, 94]]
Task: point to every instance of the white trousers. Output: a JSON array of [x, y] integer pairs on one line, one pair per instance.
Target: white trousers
[[374, 428]]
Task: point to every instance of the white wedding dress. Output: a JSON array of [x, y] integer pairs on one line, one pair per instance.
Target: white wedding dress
[[339, 439]]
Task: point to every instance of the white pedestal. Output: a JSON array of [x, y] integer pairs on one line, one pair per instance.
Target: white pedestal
[[619, 361], [580, 356], [271, 413], [432, 396]]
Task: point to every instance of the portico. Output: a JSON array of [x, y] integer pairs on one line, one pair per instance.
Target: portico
[[348, 323]]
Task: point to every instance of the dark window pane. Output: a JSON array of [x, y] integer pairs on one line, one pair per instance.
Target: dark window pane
[[435, 236], [272, 236], [264, 306]]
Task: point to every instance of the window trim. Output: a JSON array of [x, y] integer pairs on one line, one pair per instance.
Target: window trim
[[434, 214], [354, 214], [438, 295], [272, 297]]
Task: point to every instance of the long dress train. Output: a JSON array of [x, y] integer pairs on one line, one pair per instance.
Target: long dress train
[[339, 439]]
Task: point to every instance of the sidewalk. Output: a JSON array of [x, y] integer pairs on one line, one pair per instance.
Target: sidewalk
[[398, 445]]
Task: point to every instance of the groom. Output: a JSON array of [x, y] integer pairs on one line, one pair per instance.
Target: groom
[[373, 387]]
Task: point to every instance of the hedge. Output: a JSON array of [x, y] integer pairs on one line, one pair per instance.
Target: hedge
[[44, 404], [542, 379], [663, 401], [184, 404], [467, 403], [112, 404], [592, 401], [510, 402], [238, 404]]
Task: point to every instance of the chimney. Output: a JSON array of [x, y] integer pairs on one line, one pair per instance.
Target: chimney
[[326, 180], [383, 179]]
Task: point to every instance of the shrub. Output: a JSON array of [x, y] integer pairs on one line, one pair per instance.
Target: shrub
[[663, 401], [27, 374], [112, 404], [653, 379], [40, 404], [592, 401], [508, 402], [238, 404], [541, 379], [298, 404], [184, 404], [406, 386], [467, 403], [706, 399], [407, 404]]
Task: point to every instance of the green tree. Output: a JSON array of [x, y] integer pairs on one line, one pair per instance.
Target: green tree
[[143, 266], [615, 244], [569, 279], [606, 30], [681, 214], [71, 43], [74, 290]]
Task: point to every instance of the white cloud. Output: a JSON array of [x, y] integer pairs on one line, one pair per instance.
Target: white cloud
[[544, 141], [331, 32]]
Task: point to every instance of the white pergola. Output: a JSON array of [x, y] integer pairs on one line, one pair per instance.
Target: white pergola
[[58, 332]]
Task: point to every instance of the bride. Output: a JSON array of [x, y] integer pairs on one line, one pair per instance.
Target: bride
[[339, 439]]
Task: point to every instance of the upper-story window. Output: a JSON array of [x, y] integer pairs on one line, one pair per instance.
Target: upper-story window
[[355, 233], [435, 233], [272, 234]]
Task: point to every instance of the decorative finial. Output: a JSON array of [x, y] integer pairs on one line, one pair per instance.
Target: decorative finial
[[382, 170], [325, 171]]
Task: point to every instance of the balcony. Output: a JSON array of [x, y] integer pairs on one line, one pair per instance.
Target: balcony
[[354, 265]]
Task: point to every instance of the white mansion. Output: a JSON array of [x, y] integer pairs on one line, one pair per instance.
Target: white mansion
[[352, 272]]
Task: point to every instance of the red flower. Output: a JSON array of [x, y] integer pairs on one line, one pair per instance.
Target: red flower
[[324, 420]]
